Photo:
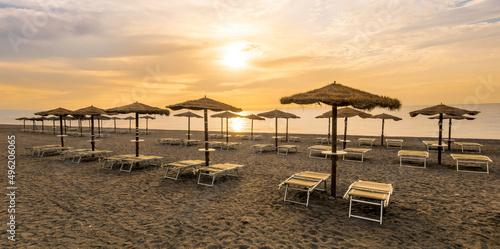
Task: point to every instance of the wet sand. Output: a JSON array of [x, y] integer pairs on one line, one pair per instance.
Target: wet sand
[[65, 205]]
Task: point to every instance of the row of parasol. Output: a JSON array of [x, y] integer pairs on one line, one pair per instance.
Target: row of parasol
[[334, 95]]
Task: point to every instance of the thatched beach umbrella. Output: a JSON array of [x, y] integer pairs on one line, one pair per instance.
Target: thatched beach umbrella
[[338, 95], [385, 116], [345, 113], [441, 110], [253, 117], [24, 122], [93, 112], [205, 104], [60, 112], [138, 108], [189, 115], [129, 118], [227, 115], [147, 117], [277, 114], [450, 117]]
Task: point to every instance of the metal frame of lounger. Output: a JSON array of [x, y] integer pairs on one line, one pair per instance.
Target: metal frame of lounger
[[80, 155], [216, 169], [355, 151], [261, 147], [140, 159], [322, 140], [319, 148], [182, 165], [472, 159], [287, 148], [413, 155], [306, 181], [470, 146], [394, 143], [366, 141], [114, 159], [256, 137], [380, 192], [230, 145], [293, 139], [216, 144]]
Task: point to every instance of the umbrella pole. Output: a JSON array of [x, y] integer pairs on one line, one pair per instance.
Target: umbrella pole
[[189, 128], [334, 150], [329, 125], [227, 130], [449, 136], [147, 125], [382, 136], [129, 125], [440, 137], [345, 133], [276, 133], [286, 134], [207, 153], [222, 126], [61, 127], [115, 124], [92, 135], [251, 131], [136, 134]]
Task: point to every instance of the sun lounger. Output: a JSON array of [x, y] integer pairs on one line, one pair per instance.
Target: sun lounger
[[189, 142], [96, 153], [35, 149], [472, 147], [243, 137], [64, 154], [366, 141], [394, 143], [287, 148], [215, 136], [434, 145], [319, 149], [471, 160], [355, 151], [131, 161], [322, 140], [179, 166], [262, 147], [114, 159], [217, 169], [216, 144], [230, 145], [412, 155], [55, 149], [293, 139], [304, 181], [368, 192], [256, 137]]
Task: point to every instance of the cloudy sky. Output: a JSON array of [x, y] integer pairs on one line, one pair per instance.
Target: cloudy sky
[[245, 53]]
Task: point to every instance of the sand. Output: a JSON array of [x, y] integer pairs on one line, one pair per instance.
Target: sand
[[65, 205]]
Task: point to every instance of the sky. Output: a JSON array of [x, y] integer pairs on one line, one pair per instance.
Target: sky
[[249, 54]]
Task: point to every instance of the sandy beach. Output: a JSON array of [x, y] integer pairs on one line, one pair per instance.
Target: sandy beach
[[64, 205]]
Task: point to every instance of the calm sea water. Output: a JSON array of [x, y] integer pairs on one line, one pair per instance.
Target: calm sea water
[[485, 126]]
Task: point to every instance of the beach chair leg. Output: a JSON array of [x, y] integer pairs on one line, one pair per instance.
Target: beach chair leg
[[381, 211]]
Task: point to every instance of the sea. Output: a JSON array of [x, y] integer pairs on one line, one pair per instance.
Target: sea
[[486, 124]]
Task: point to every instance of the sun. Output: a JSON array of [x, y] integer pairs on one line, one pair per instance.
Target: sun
[[235, 55]]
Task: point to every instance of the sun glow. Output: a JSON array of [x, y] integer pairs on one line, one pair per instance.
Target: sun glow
[[235, 55], [237, 124]]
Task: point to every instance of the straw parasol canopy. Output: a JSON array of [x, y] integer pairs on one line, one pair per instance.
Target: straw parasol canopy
[[227, 115], [442, 110], [253, 117], [339, 95], [189, 115], [138, 108], [147, 117], [278, 114], [385, 116], [93, 112], [450, 117], [60, 112], [205, 104]]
